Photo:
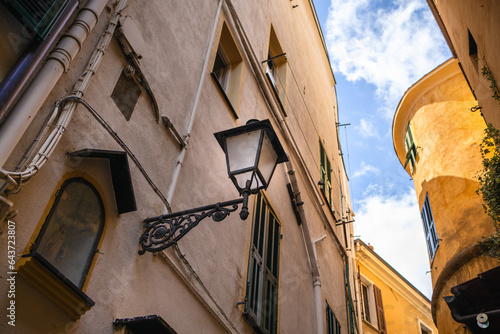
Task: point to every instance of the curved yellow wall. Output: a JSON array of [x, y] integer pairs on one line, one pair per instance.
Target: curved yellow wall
[[447, 135]]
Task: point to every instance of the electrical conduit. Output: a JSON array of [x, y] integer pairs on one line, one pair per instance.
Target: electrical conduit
[[57, 63], [182, 155], [67, 111]]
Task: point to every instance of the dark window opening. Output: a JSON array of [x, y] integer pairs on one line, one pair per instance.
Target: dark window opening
[[221, 68], [473, 50], [150, 324], [366, 305], [472, 45]]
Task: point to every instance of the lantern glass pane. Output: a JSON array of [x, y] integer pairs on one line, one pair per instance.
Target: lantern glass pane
[[242, 178], [267, 160], [242, 151]]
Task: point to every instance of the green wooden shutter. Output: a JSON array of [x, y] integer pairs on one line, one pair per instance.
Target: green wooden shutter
[[429, 227], [322, 166], [332, 324], [262, 282], [39, 15], [380, 309], [256, 261], [329, 183], [270, 299], [411, 148], [325, 175]]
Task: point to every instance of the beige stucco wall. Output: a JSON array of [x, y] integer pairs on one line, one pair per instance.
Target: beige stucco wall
[[124, 284], [447, 134]]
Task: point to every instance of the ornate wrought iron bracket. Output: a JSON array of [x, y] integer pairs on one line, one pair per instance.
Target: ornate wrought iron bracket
[[164, 231]]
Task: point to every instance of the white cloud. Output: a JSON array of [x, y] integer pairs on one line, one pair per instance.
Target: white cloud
[[391, 223], [366, 129], [390, 47], [365, 169]]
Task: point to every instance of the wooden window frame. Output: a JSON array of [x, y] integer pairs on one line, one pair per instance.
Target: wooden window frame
[[277, 69], [365, 303], [375, 309], [424, 328], [230, 85]]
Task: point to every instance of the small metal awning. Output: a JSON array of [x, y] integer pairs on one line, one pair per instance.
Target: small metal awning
[[120, 176], [480, 295], [150, 324]]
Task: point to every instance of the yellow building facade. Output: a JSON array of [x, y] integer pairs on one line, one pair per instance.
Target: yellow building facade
[[436, 138], [388, 302], [471, 29]]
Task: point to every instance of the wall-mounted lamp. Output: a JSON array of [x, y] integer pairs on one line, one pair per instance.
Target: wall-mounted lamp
[[252, 153]]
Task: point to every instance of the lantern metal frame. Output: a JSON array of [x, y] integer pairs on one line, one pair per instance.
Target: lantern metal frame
[[166, 230]]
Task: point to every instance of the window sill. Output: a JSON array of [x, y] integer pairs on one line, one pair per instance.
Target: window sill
[[371, 326], [251, 320], [223, 92], [45, 278]]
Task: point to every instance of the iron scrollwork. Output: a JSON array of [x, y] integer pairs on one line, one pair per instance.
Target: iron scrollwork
[[163, 231]]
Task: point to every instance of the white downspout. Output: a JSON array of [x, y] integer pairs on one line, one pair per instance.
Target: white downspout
[[180, 159], [317, 290], [57, 63], [311, 250]]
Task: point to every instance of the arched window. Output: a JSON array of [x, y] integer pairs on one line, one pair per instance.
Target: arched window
[[71, 232]]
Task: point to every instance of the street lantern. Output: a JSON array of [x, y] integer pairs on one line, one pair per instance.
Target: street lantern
[[252, 153]]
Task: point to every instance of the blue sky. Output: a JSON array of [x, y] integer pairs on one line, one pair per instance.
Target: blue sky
[[378, 49]]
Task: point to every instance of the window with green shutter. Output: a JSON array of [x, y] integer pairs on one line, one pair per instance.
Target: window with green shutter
[[261, 308], [380, 310], [332, 324], [325, 174], [429, 227], [411, 148], [39, 15]]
